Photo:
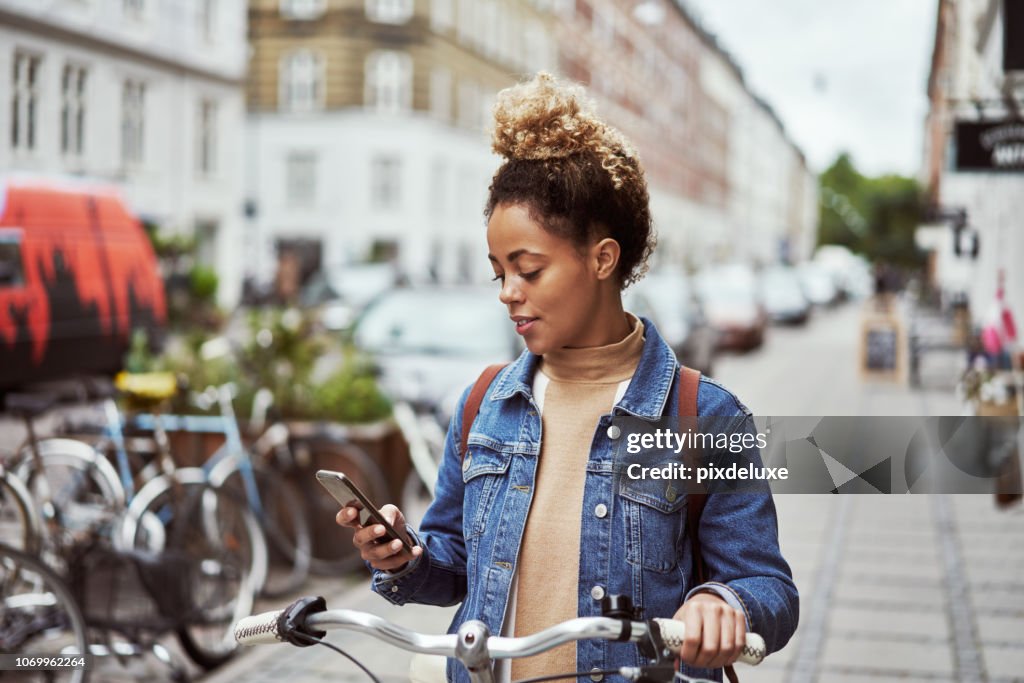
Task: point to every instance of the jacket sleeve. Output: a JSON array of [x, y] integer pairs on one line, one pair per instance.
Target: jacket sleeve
[[438, 576], [740, 544]]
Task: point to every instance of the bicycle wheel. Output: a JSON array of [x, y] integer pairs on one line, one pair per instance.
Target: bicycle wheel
[[332, 551], [217, 532], [75, 488], [39, 616], [283, 521], [20, 527]]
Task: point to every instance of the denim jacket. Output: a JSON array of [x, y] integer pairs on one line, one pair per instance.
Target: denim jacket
[[472, 532]]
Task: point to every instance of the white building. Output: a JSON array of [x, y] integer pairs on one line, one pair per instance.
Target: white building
[[968, 84], [146, 94]]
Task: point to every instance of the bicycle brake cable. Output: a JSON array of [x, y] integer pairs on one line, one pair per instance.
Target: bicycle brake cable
[[313, 640]]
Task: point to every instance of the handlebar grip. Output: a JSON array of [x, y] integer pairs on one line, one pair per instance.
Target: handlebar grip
[[672, 631], [259, 629]]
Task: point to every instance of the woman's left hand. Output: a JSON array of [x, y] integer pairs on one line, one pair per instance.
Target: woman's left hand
[[715, 632]]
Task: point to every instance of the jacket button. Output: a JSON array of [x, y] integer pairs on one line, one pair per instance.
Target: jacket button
[[594, 676], [394, 589], [671, 494], [597, 592], [466, 462], [614, 432], [601, 510]]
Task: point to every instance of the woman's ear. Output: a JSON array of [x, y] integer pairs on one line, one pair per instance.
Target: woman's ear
[[605, 257]]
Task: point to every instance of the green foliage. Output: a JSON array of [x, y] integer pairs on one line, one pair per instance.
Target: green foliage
[[202, 282], [281, 353], [882, 215]]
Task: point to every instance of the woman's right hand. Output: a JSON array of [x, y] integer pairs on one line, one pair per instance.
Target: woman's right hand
[[387, 557]]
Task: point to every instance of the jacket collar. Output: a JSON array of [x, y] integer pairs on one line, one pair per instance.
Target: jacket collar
[[648, 392]]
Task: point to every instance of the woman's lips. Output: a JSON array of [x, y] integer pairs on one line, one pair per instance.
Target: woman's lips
[[523, 325]]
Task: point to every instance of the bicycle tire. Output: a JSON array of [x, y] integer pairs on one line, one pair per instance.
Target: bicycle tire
[[83, 487], [285, 526], [40, 614], [332, 549], [222, 534], [20, 525]]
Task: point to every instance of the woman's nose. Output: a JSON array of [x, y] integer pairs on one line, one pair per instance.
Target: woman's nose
[[509, 294]]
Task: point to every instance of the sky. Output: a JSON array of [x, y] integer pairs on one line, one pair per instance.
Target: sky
[[840, 75]]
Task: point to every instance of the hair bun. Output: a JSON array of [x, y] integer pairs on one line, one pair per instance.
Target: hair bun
[[545, 118]]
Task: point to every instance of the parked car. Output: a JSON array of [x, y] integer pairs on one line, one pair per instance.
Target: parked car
[[77, 277], [668, 299], [730, 299], [431, 342], [337, 295], [784, 300], [817, 284]]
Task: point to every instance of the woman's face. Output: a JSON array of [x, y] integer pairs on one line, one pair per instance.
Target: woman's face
[[554, 293]]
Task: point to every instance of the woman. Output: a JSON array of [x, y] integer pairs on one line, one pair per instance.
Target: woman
[[528, 528]]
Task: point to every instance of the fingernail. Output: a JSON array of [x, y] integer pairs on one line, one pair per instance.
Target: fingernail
[[379, 531], [395, 545]]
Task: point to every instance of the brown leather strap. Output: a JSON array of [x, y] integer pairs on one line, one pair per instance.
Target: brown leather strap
[[476, 397], [689, 384]]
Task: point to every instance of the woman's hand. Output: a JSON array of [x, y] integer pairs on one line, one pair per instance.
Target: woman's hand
[[387, 557], [715, 632]]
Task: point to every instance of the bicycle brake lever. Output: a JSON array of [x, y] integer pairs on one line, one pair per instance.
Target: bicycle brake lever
[[657, 673], [292, 622]]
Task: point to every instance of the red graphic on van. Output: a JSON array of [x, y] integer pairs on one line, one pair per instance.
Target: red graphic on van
[[77, 275]]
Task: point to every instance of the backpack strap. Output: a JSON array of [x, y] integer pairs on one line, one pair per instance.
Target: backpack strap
[[689, 384], [476, 397]]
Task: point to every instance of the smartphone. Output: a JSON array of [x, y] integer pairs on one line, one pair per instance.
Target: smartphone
[[349, 495]]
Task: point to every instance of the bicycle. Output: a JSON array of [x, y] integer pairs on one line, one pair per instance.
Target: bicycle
[[40, 616], [306, 620]]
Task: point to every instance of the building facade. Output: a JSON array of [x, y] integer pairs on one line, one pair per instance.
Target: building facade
[[726, 181], [973, 163], [368, 120], [147, 95], [368, 124]]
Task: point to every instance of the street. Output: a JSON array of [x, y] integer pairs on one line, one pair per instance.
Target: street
[[908, 588]]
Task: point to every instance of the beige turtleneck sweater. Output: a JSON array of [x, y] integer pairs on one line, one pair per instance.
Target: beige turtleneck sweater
[[582, 385]]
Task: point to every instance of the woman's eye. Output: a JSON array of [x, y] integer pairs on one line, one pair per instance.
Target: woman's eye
[[499, 276], [530, 276]]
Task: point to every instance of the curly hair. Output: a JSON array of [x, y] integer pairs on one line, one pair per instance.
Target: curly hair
[[578, 177]]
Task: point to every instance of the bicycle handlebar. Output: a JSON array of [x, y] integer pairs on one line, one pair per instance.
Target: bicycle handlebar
[[278, 626]]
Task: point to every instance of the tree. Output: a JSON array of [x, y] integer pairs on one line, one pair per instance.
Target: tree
[[876, 217]]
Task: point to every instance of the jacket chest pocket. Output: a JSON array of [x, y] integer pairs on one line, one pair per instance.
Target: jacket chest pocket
[[655, 514], [483, 472]]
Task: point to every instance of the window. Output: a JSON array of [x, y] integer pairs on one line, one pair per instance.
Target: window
[[300, 181], [134, 9], [133, 117], [389, 11], [25, 101], [303, 10], [207, 20], [385, 176], [469, 104], [442, 15], [388, 81], [11, 272], [72, 111], [302, 77], [206, 128], [441, 93]]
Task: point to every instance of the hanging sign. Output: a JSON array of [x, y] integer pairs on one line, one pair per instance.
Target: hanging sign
[[990, 146]]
